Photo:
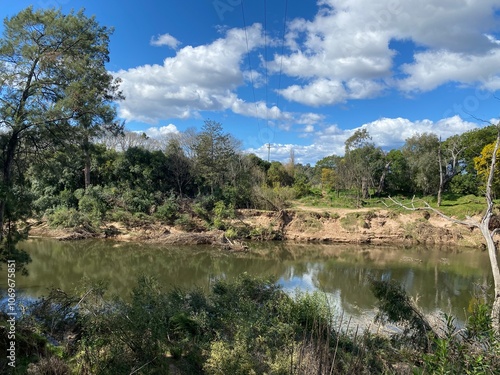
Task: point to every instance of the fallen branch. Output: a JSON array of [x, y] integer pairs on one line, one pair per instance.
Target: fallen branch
[[470, 222]]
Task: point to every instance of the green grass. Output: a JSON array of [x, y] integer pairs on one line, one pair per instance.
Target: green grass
[[459, 207]]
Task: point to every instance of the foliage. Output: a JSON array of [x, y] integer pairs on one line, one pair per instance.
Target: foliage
[[482, 165], [395, 307], [215, 152], [169, 210], [242, 326], [421, 153]]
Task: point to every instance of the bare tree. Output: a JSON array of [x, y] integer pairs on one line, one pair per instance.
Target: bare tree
[[484, 226]]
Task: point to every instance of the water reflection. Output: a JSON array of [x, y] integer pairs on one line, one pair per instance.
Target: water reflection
[[441, 280]]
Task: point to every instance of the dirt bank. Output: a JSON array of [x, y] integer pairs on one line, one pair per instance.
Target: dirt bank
[[301, 224]]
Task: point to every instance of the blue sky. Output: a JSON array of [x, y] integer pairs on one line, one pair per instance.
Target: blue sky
[[301, 74]]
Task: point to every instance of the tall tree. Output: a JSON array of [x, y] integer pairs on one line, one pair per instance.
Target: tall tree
[[180, 166], [214, 152], [487, 230], [364, 161], [47, 59], [421, 153]]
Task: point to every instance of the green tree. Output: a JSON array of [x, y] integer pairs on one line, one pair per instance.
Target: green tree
[[466, 147], [398, 178], [277, 175], [42, 56], [482, 164], [180, 166], [214, 152], [421, 153], [364, 162]]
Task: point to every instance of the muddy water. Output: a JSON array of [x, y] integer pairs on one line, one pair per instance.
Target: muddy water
[[440, 280]]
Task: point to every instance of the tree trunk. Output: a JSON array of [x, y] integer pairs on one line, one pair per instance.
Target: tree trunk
[[495, 310], [441, 177], [382, 180], [488, 236], [86, 169], [8, 165], [364, 188]]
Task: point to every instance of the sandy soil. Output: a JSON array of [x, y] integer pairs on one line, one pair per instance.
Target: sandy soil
[[300, 224]]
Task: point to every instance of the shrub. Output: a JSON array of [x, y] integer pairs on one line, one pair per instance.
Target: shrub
[[185, 222], [94, 202], [65, 218], [137, 200], [50, 365], [168, 211]]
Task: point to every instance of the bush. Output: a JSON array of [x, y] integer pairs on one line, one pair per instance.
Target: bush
[[185, 222], [94, 202], [203, 207], [168, 211], [138, 201], [65, 218], [50, 365]]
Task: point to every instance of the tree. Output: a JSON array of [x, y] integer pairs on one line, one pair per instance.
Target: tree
[[364, 162], [214, 151], [329, 171], [398, 176], [421, 153], [482, 164], [277, 175], [485, 228], [179, 166], [46, 61]]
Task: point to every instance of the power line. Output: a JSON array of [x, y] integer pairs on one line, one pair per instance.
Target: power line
[[266, 71], [265, 61], [282, 52], [250, 63]]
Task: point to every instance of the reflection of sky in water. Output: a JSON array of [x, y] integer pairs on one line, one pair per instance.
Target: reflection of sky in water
[[305, 283], [340, 272]]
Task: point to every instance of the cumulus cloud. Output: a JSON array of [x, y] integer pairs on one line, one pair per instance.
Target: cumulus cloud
[[328, 92], [388, 133], [164, 40], [162, 131], [200, 78], [347, 51], [344, 53], [434, 68]]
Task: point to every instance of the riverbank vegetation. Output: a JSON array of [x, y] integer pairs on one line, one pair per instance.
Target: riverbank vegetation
[[244, 326], [67, 161], [72, 164]]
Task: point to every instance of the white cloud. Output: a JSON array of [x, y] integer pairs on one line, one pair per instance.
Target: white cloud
[[162, 131], [328, 92], [164, 40], [391, 132], [388, 133], [310, 119], [434, 68], [309, 129], [197, 79], [344, 52], [347, 51]]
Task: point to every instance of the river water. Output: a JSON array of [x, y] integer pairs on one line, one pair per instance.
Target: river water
[[439, 280]]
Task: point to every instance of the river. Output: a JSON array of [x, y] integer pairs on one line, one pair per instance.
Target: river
[[440, 280]]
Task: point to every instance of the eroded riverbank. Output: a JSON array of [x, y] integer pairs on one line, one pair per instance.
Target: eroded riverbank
[[315, 225]]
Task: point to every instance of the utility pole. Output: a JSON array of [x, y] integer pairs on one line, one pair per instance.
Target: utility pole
[[268, 151]]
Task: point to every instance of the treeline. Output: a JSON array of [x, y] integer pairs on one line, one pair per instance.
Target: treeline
[[424, 165], [131, 174], [66, 157]]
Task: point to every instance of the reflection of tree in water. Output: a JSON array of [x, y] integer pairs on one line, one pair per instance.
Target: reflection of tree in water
[[448, 292], [342, 270]]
